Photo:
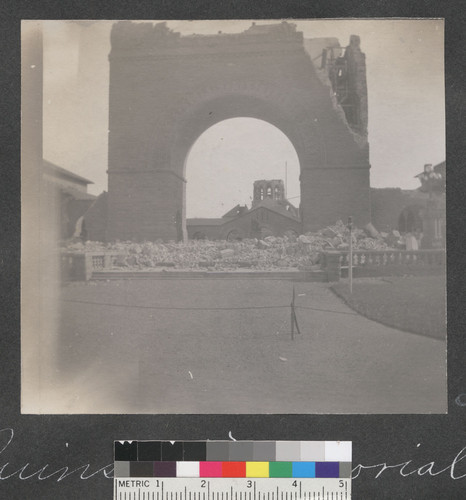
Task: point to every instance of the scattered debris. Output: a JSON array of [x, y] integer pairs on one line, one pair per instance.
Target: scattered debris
[[190, 374], [272, 252], [282, 359]]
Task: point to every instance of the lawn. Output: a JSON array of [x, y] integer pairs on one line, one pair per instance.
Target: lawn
[[224, 346], [413, 304]]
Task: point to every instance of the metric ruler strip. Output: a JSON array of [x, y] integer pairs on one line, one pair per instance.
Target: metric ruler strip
[[231, 489], [232, 470]]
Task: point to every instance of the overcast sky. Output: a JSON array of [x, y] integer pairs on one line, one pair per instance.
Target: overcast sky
[[405, 81]]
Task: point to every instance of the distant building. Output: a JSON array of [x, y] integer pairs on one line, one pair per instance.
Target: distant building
[[72, 197], [421, 210], [270, 215]]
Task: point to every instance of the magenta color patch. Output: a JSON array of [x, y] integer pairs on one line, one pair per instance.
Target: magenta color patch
[[210, 469]]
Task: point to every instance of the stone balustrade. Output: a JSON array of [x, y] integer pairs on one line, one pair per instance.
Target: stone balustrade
[[79, 266], [384, 263]]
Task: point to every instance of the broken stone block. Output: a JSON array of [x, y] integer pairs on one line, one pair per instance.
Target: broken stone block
[[227, 253], [304, 239], [263, 244], [371, 231]]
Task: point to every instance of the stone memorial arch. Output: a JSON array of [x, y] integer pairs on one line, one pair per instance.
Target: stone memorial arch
[[167, 89]]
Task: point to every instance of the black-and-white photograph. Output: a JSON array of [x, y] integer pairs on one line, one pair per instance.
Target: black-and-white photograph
[[233, 217]]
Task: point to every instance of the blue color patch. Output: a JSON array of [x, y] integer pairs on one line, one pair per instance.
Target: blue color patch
[[304, 469], [327, 469]]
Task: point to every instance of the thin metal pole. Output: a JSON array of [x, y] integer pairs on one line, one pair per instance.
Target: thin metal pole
[[350, 258], [286, 180], [292, 316]]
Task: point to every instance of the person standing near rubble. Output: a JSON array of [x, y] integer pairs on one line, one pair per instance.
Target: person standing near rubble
[[411, 241]]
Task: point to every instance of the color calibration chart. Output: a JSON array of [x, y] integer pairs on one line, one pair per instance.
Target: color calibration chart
[[232, 470]]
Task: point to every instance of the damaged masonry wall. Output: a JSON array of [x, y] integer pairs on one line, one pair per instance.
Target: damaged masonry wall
[[343, 71], [196, 81]]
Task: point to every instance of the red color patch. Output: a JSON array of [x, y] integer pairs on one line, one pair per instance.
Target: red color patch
[[234, 469]]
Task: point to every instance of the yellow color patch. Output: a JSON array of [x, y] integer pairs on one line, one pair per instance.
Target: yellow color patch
[[257, 469]]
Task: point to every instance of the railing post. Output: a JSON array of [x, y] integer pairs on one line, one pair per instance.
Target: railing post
[[88, 267], [333, 266], [350, 256], [108, 260]]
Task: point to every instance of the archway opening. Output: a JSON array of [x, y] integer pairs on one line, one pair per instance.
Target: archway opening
[[410, 219], [223, 168]]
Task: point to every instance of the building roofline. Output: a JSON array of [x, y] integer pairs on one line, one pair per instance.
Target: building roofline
[[63, 172]]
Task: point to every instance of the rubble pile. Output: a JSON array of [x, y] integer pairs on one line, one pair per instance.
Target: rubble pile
[[270, 253]]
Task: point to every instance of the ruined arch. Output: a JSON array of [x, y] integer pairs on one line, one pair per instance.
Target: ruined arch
[[166, 90]]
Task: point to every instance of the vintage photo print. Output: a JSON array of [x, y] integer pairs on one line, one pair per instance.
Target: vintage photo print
[[233, 217]]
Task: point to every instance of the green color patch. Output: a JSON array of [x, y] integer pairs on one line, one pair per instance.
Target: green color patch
[[281, 469]]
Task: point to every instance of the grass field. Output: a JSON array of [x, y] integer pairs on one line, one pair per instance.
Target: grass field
[[224, 346], [414, 304]]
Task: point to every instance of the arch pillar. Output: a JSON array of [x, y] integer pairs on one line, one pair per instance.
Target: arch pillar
[[331, 193], [149, 206]]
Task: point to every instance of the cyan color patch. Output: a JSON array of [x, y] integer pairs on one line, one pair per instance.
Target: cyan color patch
[[304, 469]]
